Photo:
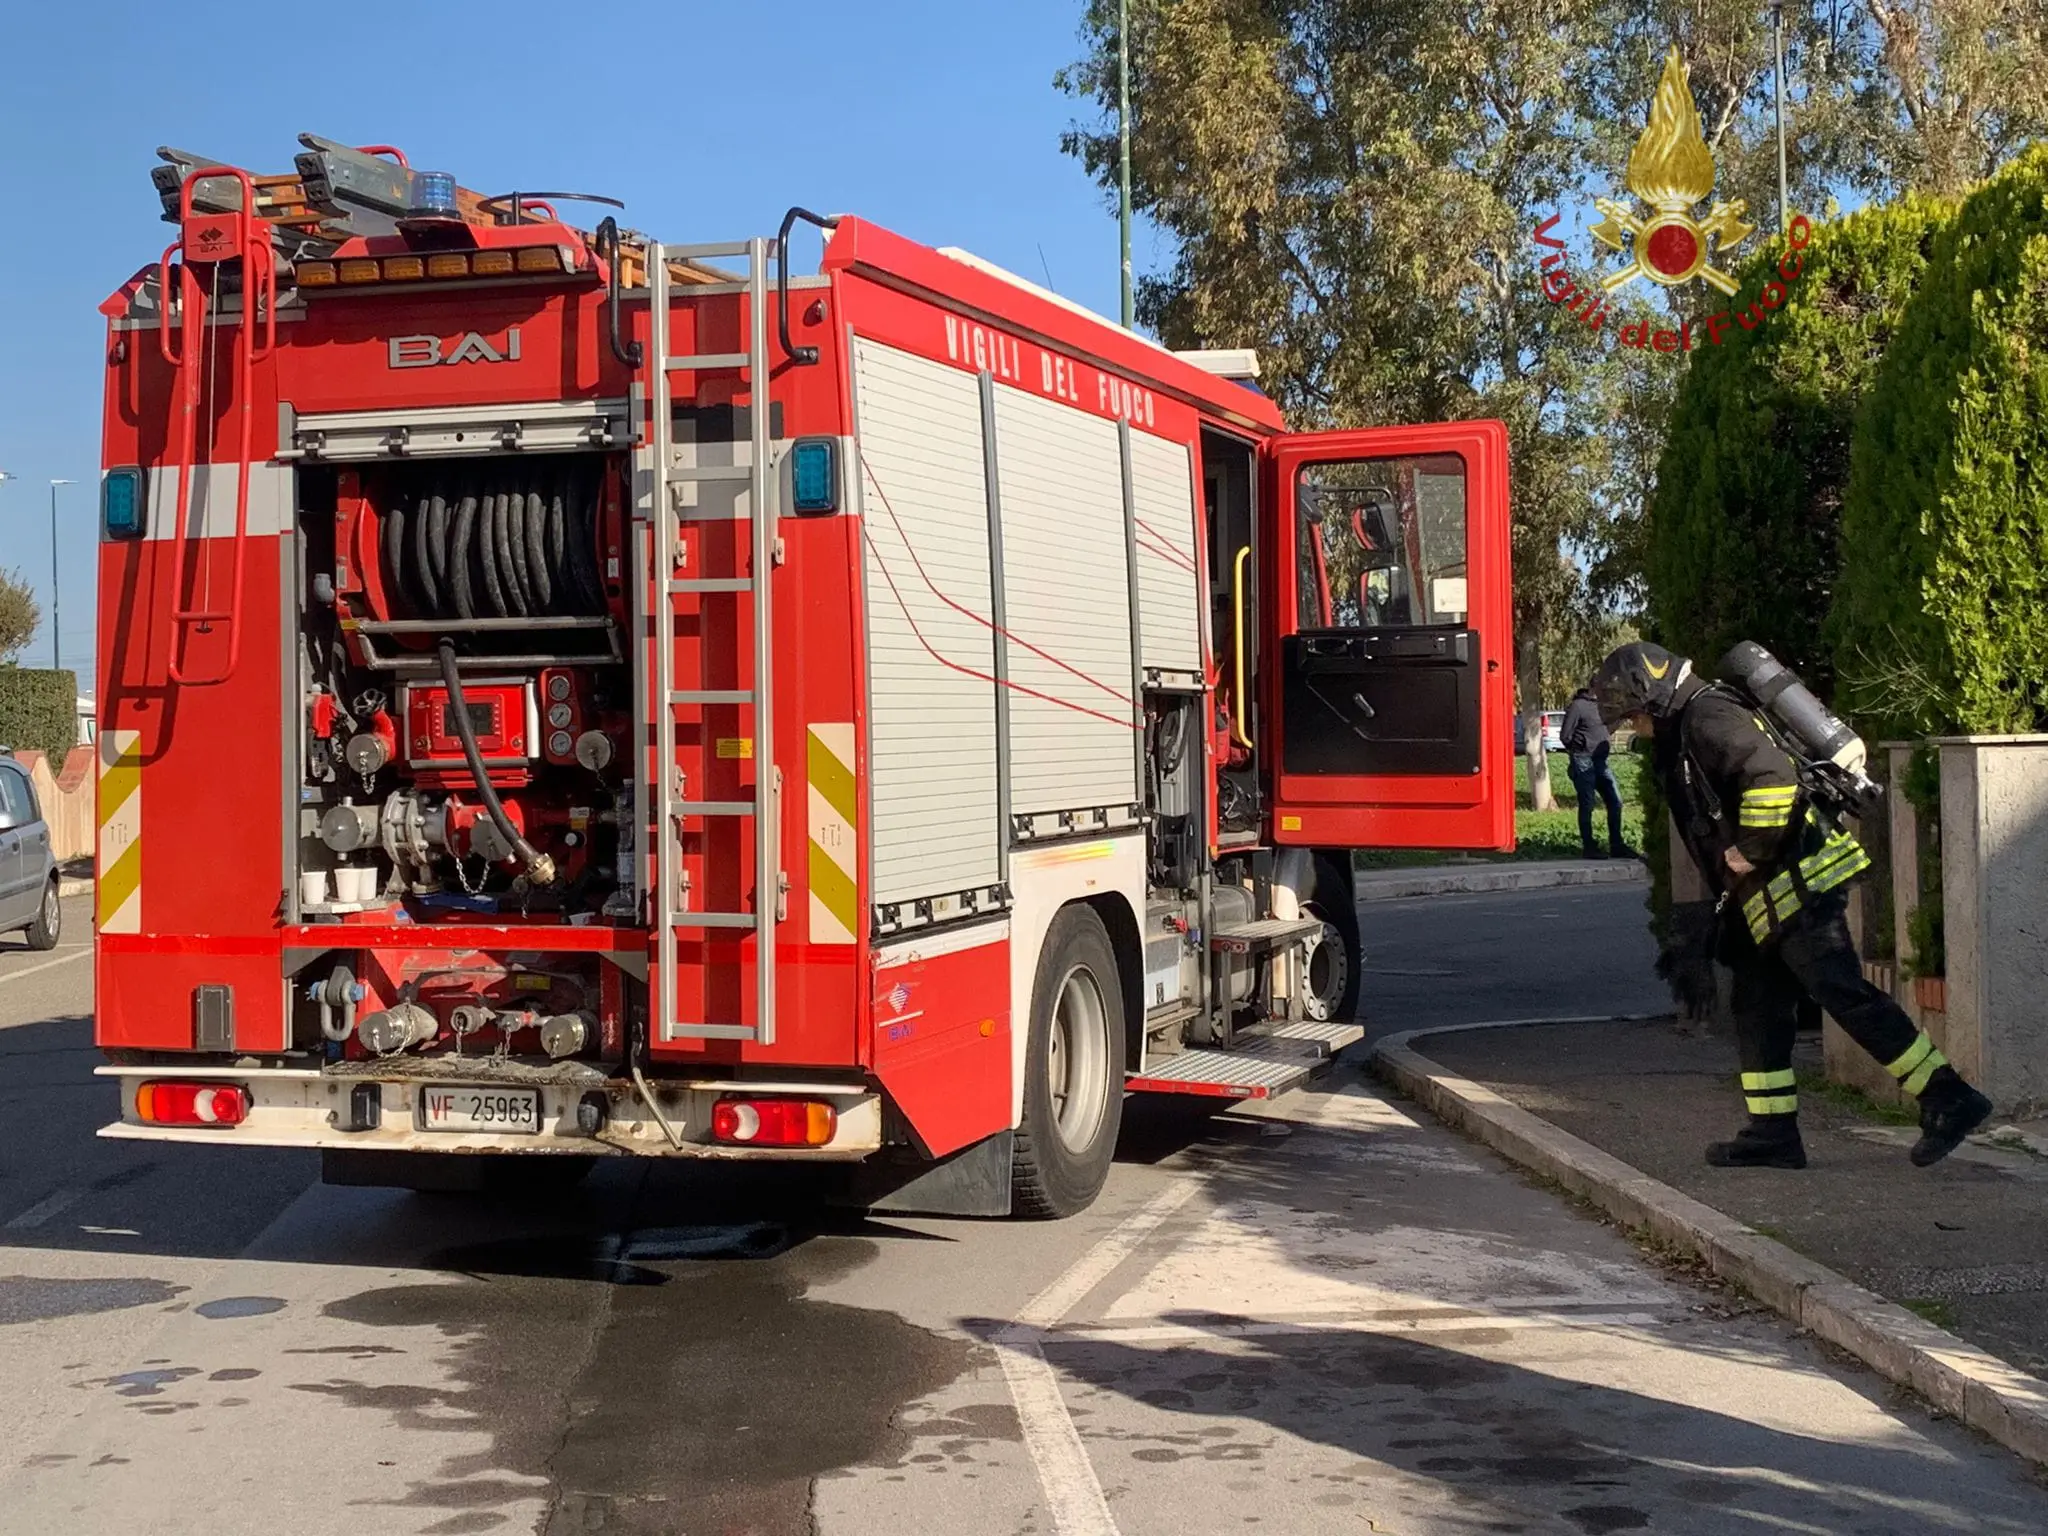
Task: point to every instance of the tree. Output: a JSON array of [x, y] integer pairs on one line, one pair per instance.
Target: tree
[[20, 616], [1352, 186], [1940, 617], [1756, 460]]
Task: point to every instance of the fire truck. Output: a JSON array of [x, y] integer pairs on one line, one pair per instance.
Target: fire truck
[[564, 695]]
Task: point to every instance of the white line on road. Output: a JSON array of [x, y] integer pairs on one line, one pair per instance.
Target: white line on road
[[76, 954], [1073, 1494], [44, 1209]]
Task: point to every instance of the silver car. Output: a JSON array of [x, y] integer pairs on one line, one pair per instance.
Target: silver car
[[28, 863]]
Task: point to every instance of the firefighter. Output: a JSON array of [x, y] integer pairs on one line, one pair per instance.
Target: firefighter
[[1782, 877]]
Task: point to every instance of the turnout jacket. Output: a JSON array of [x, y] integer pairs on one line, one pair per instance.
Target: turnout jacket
[[1730, 785]]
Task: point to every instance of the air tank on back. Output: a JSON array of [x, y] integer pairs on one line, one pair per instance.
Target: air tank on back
[[1810, 727]]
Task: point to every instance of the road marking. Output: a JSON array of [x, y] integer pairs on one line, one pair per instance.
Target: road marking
[[44, 1209], [1073, 1494], [47, 964]]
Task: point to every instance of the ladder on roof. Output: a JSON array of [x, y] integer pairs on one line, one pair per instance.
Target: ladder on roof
[[675, 813]]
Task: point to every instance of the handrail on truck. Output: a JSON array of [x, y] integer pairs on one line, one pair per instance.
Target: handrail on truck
[[259, 286]]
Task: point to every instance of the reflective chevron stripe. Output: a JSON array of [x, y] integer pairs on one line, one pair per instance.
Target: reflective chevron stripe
[[834, 826], [119, 884]]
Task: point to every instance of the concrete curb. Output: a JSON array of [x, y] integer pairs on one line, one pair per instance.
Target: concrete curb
[[69, 886], [1980, 1389], [1396, 884]]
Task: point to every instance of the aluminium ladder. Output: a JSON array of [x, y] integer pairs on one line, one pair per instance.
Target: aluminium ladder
[[671, 807]]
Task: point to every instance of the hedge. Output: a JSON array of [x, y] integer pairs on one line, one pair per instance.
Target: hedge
[[1744, 517], [39, 711], [1940, 619]]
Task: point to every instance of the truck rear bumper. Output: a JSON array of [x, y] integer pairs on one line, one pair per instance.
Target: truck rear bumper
[[305, 1107]]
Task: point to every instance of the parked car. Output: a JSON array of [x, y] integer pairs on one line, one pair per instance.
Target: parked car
[[28, 862], [1553, 730]]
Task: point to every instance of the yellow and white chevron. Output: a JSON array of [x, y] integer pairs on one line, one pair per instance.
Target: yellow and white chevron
[[120, 852], [834, 822]]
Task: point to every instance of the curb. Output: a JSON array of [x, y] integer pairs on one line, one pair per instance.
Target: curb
[[69, 886], [1396, 884], [1960, 1379]]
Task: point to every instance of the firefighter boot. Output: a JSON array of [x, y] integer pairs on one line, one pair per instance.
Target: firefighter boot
[[1768, 1141], [1949, 1110]]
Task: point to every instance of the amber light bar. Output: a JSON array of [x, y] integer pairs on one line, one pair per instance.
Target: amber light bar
[[360, 271]]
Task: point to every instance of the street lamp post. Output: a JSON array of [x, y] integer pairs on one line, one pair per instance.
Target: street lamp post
[[1123, 134], [56, 633], [1778, 45]]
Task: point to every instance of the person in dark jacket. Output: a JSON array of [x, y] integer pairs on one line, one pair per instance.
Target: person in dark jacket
[[1781, 873], [1587, 745]]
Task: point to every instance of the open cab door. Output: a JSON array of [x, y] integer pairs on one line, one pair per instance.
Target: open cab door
[[1392, 701]]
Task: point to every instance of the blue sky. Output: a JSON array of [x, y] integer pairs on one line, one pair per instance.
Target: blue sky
[[938, 120]]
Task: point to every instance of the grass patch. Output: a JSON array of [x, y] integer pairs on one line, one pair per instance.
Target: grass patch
[[1933, 1309], [1539, 835], [1855, 1101]]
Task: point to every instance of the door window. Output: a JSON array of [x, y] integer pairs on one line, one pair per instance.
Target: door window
[[17, 798], [1382, 543]]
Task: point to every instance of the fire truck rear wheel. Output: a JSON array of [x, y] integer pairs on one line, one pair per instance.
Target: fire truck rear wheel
[[1073, 1071]]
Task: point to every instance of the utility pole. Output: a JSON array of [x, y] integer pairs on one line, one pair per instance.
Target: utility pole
[[1123, 134], [1778, 42], [56, 635]]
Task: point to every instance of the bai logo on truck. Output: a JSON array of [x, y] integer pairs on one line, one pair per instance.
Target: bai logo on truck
[[1670, 172], [470, 347]]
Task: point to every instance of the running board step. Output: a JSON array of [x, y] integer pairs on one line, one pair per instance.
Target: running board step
[[1266, 933], [1266, 1061]]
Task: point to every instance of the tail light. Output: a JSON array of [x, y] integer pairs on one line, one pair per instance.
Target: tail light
[[773, 1122], [188, 1103]]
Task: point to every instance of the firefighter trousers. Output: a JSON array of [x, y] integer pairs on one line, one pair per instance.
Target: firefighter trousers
[[1815, 957]]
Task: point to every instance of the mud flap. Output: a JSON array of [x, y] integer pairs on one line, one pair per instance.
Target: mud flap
[[975, 1181]]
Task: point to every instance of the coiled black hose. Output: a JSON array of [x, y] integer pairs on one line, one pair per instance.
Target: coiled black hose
[[493, 544]]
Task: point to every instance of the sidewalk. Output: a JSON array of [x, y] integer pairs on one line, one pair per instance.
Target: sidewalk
[[1466, 879], [1964, 1244]]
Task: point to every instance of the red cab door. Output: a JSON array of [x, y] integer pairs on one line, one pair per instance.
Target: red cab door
[[1391, 691]]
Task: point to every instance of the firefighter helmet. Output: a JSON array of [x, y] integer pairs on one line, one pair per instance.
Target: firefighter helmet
[[1638, 679]]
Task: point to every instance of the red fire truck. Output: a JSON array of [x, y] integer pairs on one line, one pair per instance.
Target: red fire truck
[[565, 694]]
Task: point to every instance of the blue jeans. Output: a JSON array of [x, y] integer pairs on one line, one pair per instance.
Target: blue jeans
[[1592, 776]]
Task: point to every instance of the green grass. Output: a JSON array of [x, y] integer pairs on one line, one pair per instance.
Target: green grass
[[1855, 1101], [1538, 834], [1933, 1309]]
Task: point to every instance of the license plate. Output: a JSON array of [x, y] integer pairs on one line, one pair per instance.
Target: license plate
[[480, 1109]]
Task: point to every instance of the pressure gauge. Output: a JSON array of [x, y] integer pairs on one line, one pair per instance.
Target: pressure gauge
[[559, 716]]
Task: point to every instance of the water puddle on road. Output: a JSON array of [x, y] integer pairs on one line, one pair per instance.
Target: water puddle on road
[[695, 1385]]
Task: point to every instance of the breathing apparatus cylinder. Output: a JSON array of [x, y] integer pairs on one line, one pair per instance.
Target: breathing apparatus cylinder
[[1809, 727]]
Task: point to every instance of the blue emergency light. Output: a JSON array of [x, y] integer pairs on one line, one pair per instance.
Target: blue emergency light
[[814, 474], [121, 509]]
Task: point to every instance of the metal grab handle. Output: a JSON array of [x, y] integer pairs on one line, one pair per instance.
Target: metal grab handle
[[259, 289], [803, 356], [1237, 689], [606, 240]]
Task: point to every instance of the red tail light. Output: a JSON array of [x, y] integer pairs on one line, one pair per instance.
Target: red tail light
[[773, 1122], [188, 1103]]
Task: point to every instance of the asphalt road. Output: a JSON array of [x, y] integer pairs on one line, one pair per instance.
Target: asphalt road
[[1320, 1317]]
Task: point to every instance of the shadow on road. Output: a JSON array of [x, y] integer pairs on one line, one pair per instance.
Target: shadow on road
[[1467, 1443]]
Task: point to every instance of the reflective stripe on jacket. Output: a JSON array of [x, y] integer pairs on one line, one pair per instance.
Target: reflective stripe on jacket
[[1834, 864]]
